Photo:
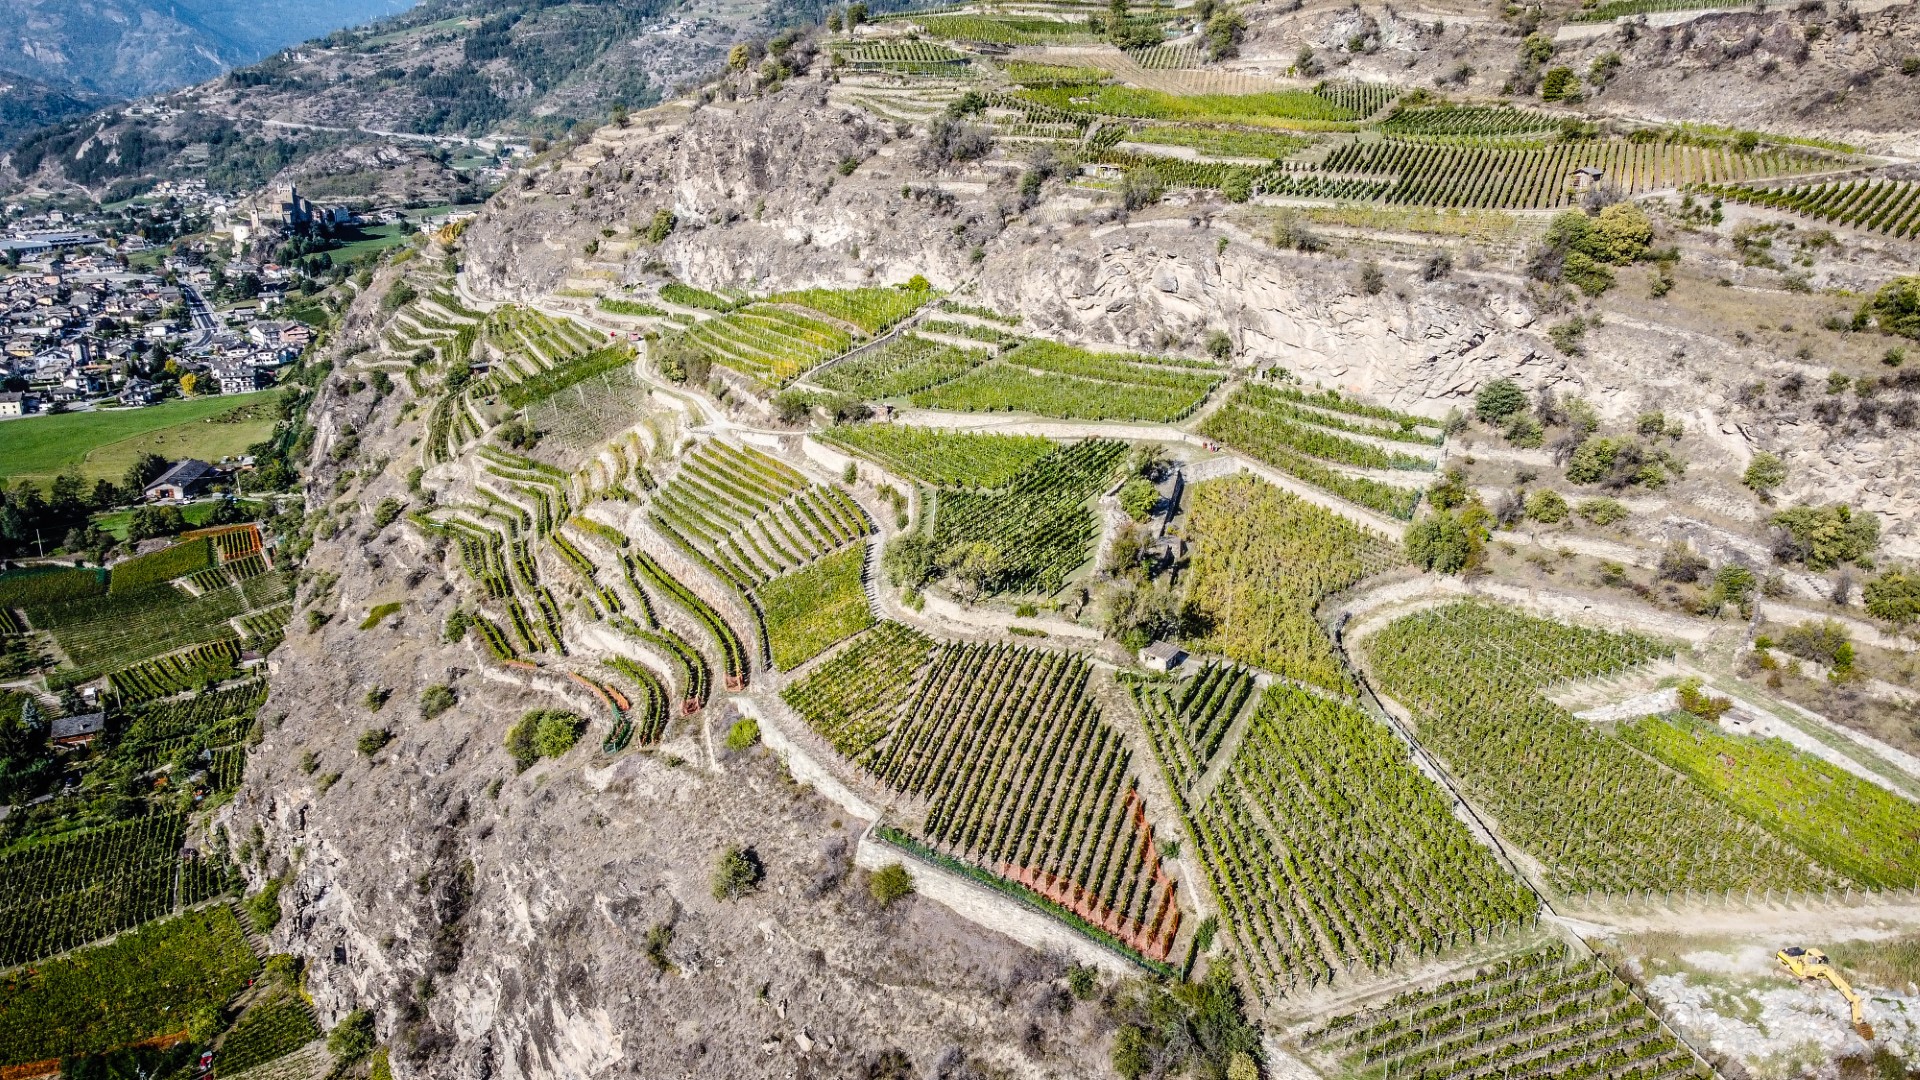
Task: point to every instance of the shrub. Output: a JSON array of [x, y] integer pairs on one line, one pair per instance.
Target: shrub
[[1765, 472], [744, 734], [1893, 596], [1702, 704], [890, 883], [661, 226], [1560, 84], [385, 513], [659, 939], [1138, 497], [1547, 506], [373, 740], [543, 733], [1621, 234], [435, 700], [1447, 542], [1895, 309], [1825, 642], [1824, 537], [1602, 511], [263, 907], [736, 874], [353, 1037], [1083, 981], [1498, 400]]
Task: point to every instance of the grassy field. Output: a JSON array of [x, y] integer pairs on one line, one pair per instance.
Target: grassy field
[[369, 240], [102, 444], [115, 524]]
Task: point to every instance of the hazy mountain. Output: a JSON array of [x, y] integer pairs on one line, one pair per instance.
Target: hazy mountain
[[130, 48]]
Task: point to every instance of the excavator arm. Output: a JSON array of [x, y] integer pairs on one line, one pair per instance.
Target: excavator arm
[[1812, 964]]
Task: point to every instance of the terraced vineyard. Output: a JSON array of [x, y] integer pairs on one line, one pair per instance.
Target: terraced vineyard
[[1327, 851], [1018, 772], [82, 887], [1039, 527], [1188, 719], [853, 699], [1877, 205], [1476, 121], [943, 458], [906, 365], [1316, 443], [1857, 827], [1004, 31], [146, 983], [776, 340], [1219, 142], [1442, 171], [1051, 379], [1548, 1012], [108, 633], [752, 517], [906, 58], [1299, 110], [773, 343], [1596, 814], [1262, 562], [812, 609]]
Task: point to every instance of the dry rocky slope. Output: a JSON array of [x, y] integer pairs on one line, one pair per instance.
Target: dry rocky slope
[[497, 924]]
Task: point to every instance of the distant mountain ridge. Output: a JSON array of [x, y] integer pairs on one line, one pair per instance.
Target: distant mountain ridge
[[119, 49], [445, 73]]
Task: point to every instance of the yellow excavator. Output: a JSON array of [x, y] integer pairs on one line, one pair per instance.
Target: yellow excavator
[[1812, 964]]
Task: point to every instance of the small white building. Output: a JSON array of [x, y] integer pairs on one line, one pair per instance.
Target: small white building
[[1162, 656]]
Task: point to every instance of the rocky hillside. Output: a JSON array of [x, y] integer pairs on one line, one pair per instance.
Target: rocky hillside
[[560, 921]]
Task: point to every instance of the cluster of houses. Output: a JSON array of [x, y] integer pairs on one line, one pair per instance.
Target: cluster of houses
[[85, 330]]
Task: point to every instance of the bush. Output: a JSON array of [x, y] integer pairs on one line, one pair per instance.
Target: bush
[[1499, 400], [1560, 84], [1893, 596], [737, 874], [744, 734], [353, 1037], [1138, 497], [263, 907], [1825, 642], [1547, 506], [889, 883], [543, 733], [1825, 537], [1764, 473], [1602, 511], [435, 700], [1083, 981], [374, 740], [385, 513], [1142, 188], [1447, 542], [1895, 309], [661, 226]]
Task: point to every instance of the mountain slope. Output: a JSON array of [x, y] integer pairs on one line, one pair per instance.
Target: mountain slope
[[130, 48], [456, 70], [27, 104]]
